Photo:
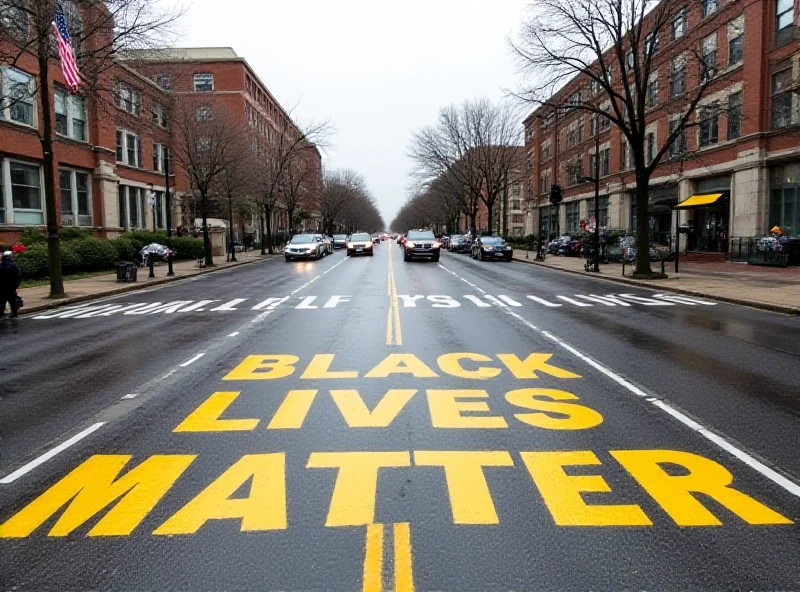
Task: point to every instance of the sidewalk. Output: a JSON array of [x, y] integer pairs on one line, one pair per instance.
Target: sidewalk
[[36, 298], [768, 288]]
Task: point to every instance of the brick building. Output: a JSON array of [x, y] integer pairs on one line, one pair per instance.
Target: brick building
[[226, 81], [743, 145]]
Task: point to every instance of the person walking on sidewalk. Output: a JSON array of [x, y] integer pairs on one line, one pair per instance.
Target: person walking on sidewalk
[[10, 277]]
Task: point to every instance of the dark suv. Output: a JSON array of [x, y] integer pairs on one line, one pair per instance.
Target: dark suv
[[421, 243]]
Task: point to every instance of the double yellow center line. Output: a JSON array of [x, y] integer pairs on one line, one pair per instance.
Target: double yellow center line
[[373, 559], [394, 333]]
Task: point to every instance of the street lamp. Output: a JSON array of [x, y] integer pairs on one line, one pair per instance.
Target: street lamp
[[596, 181], [168, 207]]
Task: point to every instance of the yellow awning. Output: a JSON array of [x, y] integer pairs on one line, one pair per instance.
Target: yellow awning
[[698, 201]]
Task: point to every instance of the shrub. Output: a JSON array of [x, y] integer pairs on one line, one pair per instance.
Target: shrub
[[95, 254], [72, 233], [186, 247], [32, 236], [70, 260], [126, 251], [33, 262]]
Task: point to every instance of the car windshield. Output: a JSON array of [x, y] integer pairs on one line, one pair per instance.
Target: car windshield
[[339, 237], [492, 240], [360, 237], [421, 235], [302, 239]]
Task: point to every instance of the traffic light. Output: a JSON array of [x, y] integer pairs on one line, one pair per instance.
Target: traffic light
[[555, 195]]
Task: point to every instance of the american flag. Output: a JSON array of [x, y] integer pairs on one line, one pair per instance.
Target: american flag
[[68, 64]]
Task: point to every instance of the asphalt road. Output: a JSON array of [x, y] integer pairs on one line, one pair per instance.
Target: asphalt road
[[370, 424]]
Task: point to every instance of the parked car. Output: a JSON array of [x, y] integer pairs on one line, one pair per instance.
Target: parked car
[[339, 241], [445, 242], [360, 243], [465, 244], [453, 243], [421, 243], [491, 247], [305, 246]]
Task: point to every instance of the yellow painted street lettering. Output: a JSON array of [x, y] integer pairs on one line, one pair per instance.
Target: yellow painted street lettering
[[677, 494], [353, 500], [562, 492], [96, 484], [206, 418], [357, 415], [401, 364], [293, 411], [470, 498], [263, 368], [574, 417], [263, 509], [451, 364], [319, 369], [532, 364], [447, 410]]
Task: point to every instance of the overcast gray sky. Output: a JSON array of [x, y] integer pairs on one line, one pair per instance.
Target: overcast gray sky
[[378, 69]]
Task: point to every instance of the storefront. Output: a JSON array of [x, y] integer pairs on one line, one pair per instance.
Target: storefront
[[659, 213], [548, 219], [784, 199], [708, 213]]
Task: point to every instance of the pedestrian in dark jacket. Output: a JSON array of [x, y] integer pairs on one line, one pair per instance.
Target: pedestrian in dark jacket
[[10, 278]]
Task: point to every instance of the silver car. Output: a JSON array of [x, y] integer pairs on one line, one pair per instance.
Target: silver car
[[305, 246]]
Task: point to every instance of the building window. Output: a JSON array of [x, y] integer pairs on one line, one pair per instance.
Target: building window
[[709, 62], [164, 81], [736, 40], [709, 7], [159, 157], [709, 125], [129, 148], [75, 201], [677, 76], [528, 159], [735, 115], [573, 213], [679, 24], [605, 162], [603, 218], [545, 148], [595, 87], [132, 207], [159, 116], [159, 209], [652, 90], [604, 122], [782, 98], [575, 171], [70, 115], [18, 90], [651, 43], [128, 98], [574, 100], [784, 207], [784, 19], [26, 193], [651, 146], [678, 146], [203, 82]]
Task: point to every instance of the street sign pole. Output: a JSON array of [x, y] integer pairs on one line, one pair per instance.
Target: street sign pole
[[168, 207]]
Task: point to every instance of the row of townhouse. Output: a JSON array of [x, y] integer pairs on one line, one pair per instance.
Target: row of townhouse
[[111, 146], [742, 149]]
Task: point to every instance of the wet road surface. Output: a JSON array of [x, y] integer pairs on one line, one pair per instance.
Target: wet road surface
[[369, 424]]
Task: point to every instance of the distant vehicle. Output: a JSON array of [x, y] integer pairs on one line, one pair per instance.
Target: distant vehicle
[[454, 242], [339, 241], [421, 243], [359, 244], [305, 246], [384, 236], [465, 244], [401, 239], [491, 247], [376, 239], [445, 241]]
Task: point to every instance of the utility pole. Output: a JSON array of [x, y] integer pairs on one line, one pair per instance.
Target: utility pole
[[505, 204], [597, 199]]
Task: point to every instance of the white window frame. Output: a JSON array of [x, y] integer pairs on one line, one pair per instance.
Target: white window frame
[[8, 197], [158, 115], [141, 206], [74, 214], [164, 81], [679, 23], [138, 146], [200, 77], [207, 114], [128, 99], [5, 109], [159, 152], [68, 100]]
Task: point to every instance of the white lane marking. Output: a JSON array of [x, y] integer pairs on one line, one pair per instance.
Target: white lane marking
[[197, 306], [131, 396], [305, 304], [234, 334], [263, 316], [572, 301], [50, 454], [545, 302], [230, 305], [720, 441], [270, 303], [193, 359]]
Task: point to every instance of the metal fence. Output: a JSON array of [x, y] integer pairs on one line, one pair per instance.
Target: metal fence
[[765, 251]]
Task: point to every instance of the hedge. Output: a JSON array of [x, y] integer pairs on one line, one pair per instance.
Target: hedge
[[186, 247], [95, 254]]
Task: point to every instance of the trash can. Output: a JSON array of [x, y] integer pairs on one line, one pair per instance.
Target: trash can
[[126, 271]]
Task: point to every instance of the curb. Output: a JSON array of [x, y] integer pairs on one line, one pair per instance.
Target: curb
[[131, 288], [787, 310]]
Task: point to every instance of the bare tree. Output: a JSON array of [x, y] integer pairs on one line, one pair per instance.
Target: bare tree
[[471, 149], [237, 181], [339, 189], [612, 47], [99, 31], [208, 144], [300, 186], [289, 145]]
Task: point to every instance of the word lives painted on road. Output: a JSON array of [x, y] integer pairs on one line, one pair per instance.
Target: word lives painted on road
[[114, 494], [177, 308]]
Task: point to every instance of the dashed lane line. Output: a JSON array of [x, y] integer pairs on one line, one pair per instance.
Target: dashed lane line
[[192, 360], [718, 440]]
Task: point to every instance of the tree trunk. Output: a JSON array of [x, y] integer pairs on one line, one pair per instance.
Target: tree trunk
[[490, 218], [48, 163], [206, 238], [642, 227], [472, 220], [290, 213], [268, 212], [263, 232]]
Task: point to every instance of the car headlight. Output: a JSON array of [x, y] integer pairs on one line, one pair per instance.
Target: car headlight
[[351, 246], [437, 245], [410, 245]]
